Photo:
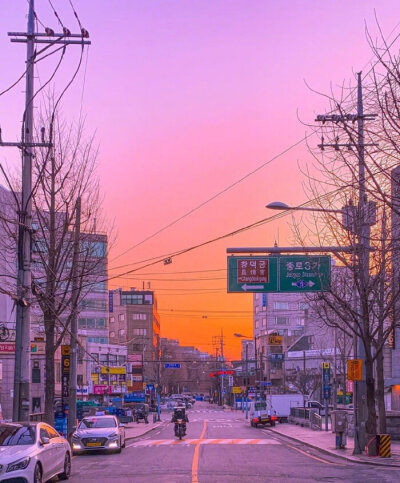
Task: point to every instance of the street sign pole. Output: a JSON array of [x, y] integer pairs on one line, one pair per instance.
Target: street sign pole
[[326, 377]]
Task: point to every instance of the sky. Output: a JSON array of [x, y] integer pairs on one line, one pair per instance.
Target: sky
[[185, 98]]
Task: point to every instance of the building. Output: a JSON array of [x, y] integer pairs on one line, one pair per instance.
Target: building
[[106, 370], [134, 322]]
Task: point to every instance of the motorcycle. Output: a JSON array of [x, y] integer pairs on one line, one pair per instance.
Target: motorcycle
[[180, 428]]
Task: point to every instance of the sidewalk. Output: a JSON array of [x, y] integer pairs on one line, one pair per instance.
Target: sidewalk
[[325, 442], [134, 430]]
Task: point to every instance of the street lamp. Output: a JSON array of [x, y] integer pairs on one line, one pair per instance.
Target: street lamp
[[349, 215], [280, 206]]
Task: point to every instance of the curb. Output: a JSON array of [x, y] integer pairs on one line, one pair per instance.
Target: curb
[[327, 452], [145, 432]]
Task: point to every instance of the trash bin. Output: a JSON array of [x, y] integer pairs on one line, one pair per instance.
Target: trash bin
[[372, 445]]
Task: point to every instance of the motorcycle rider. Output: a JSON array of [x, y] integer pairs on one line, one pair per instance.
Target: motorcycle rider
[[179, 413]]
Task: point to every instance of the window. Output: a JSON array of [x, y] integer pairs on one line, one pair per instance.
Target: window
[[139, 331], [137, 347], [36, 407], [93, 304], [121, 360], [112, 320], [281, 305], [303, 305], [139, 316], [121, 332], [35, 372], [80, 355], [98, 340], [95, 249], [131, 299], [92, 323], [121, 317], [112, 333], [281, 320], [148, 299], [301, 321], [264, 322], [99, 287], [79, 380], [95, 356], [257, 324], [17, 435]]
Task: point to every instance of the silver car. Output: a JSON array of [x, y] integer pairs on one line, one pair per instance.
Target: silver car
[[98, 433], [33, 452]]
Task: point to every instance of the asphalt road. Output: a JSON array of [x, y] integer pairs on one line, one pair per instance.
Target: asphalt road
[[220, 447]]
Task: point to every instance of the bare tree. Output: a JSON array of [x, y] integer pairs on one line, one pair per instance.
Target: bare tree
[[359, 306]]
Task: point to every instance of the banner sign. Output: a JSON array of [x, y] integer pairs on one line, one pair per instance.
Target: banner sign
[[65, 365]]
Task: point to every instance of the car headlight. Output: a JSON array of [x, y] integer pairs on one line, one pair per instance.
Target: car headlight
[[18, 465], [75, 436], [113, 435]]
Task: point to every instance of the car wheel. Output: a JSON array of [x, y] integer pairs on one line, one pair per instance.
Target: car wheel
[[119, 448], [123, 446], [67, 468], [37, 475]]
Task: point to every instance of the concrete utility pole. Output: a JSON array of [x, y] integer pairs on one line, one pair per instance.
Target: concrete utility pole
[[74, 321], [222, 367], [247, 380], [359, 224], [22, 372]]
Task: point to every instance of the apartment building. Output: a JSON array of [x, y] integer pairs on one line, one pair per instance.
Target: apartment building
[[134, 322]]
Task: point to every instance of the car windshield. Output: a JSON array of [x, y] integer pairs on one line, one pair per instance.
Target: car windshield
[[17, 435], [97, 423]]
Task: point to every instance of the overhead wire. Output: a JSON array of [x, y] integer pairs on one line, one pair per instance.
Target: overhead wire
[[229, 187]]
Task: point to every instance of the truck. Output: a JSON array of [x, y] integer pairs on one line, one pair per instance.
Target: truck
[[260, 413], [280, 404]]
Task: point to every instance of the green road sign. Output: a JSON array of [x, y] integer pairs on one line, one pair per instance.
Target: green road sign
[[279, 273], [252, 274], [304, 274]]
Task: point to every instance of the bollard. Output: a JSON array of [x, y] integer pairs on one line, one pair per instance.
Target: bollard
[[384, 446]]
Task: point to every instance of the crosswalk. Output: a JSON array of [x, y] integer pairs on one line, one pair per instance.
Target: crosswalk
[[218, 420], [203, 411], [188, 442]]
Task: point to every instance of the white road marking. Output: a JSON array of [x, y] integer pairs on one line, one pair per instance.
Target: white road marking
[[187, 442]]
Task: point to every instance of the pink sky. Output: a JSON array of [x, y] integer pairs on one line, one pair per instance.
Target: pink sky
[[186, 97]]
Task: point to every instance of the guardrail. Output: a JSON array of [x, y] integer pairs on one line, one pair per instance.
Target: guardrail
[[316, 421], [301, 413]]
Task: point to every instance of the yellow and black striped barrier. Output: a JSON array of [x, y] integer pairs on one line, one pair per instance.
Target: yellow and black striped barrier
[[384, 446]]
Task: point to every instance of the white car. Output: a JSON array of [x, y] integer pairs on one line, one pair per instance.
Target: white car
[[33, 453], [98, 433]]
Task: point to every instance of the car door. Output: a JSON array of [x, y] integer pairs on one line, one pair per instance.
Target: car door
[[59, 449], [47, 454]]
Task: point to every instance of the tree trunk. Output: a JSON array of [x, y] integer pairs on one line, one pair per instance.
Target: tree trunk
[[370, 383], [380, 393], [50, 370]]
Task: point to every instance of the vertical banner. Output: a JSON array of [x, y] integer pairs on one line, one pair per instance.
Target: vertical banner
[[65, 365], [111, 301]]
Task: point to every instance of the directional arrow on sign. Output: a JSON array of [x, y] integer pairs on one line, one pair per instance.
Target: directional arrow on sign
[[252, 287], [303, 284]]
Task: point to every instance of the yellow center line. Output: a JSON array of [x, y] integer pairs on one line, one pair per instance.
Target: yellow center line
[[311, 456], [195, 463]]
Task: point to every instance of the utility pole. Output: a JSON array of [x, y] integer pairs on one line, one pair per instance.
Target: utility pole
[[74, 322], [22, 370], [247, 380], [222, 368], [359, 223]]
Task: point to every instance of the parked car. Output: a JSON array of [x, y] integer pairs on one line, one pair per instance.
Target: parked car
[[33, 452], [98, 433]]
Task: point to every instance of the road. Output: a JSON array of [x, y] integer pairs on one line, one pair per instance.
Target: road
[[220, 447]]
